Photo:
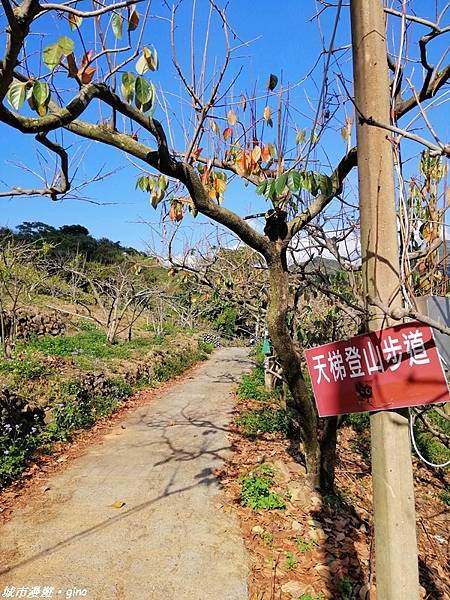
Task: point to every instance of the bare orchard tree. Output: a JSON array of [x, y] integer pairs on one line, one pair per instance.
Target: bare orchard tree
[[188, 167], [226, 275], [113, 296], [20, 280]]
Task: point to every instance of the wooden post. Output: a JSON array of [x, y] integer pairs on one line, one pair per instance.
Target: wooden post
[[394, 512]]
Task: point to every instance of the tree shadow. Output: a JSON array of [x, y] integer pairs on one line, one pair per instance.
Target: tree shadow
[[197, 444]]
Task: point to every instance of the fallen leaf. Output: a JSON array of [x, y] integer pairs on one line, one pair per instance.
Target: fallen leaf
[[118, 504]]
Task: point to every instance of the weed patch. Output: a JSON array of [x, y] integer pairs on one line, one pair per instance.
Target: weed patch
[[304, 545], [266, 420], [24, 368], [256, 492], [291, 561], [251, 387], [444, 496]]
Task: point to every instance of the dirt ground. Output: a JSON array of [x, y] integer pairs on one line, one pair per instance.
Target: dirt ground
[[330, 542]]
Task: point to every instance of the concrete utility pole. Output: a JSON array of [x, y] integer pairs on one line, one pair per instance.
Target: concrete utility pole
[[396, 565]]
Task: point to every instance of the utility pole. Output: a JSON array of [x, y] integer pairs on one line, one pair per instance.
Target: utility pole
[[393, 490]]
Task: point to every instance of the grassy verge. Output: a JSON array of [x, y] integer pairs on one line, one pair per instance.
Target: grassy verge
[[264, 413]]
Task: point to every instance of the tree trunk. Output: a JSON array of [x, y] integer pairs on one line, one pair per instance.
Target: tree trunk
[[289, 355], [328, 454], [318, 442]]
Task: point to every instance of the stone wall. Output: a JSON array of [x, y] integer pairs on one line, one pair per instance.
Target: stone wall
[[30, 323]]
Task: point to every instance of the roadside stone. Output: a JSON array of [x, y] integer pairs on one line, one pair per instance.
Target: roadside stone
[[258, 530], [316, 500], [299, 494], [297, 469], [294, 588], [317, 534], [296, 526], [281, 468]]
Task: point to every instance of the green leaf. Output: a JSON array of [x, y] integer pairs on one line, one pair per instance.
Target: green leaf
[[66, 45], [163, 182], [144, 93], [117, 23], [16, 94], [262, 187], [141, 183], [51, 56], [291, 182], [40, 93], [298, 180], [312, 184], [270, 192], [141, 65], [53, 53], [127, 86], [280, 183], [300, 136], [325, 184]]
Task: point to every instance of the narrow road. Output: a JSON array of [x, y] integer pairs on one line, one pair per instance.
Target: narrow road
[[170, 540]]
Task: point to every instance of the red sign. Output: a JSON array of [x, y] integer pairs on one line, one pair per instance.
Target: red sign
[[386, 369]]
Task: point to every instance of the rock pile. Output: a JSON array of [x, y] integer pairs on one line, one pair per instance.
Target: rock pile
[[30, 323]]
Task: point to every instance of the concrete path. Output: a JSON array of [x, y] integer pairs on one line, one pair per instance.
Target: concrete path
[[169, 541]]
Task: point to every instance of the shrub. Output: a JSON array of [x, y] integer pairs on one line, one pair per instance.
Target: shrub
[[444, 496], [431, 448], [17, 445], [256, 493], [359, 421]]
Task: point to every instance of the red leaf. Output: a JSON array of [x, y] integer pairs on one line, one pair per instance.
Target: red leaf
[[87, 74], [227, 133], [86, 58]]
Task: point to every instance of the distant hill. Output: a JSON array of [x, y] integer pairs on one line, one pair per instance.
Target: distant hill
[[70, 240], [328, 266]]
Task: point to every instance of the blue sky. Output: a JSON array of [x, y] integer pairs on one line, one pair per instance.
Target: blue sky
[[285, 42]]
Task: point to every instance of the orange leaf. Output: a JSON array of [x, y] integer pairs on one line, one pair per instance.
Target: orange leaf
[[232, 118], [267, 113], [220, 185], [265, 153], [241, 164], [227, 133]]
